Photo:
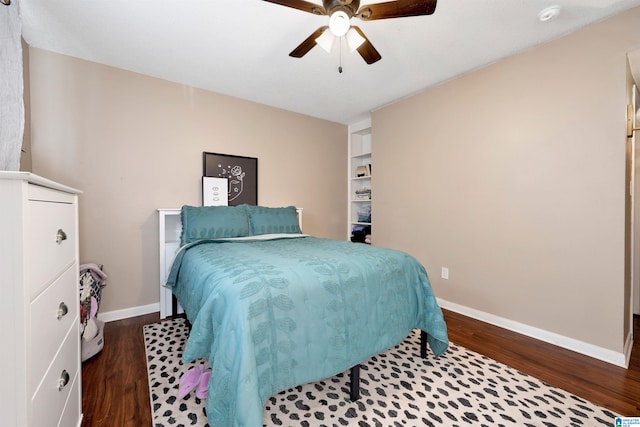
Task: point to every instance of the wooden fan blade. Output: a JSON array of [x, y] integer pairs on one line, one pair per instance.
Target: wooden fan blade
[[303, 5], [307, 44], [396, 9], [366, 49]]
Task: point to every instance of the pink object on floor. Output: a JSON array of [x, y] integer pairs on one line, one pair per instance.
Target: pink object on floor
[[190, 380], [203, 386]]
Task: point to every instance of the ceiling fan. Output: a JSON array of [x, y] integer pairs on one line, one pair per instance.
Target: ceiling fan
[[340, 13]]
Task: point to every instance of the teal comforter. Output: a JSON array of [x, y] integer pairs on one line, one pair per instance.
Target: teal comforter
[[272, 314]]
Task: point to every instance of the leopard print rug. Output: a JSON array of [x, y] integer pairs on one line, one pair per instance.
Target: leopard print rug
[[397, 387]]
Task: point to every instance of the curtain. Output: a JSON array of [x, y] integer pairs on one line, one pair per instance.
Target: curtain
[[11, 87]]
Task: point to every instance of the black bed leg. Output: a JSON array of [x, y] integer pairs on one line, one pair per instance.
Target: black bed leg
[[423, 344], [355, 383], [174, 306]]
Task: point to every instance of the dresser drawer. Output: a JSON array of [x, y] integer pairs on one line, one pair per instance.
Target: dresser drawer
[[47, 330], [49, 241], [49, 400], [71, 415]]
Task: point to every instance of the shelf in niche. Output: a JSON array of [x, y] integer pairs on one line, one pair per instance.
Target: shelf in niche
[[360, 223], [361, 155], [361, 201], [361, 177]]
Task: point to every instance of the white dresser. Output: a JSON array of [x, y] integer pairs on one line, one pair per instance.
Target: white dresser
[[39, 303]]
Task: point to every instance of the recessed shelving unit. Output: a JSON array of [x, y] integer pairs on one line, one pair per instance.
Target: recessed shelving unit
[[360, 171]]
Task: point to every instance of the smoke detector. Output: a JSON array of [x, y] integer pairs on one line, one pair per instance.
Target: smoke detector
[[549, 13]]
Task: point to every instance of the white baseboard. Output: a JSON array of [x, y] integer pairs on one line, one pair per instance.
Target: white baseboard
[[600, 353], [110, 316]]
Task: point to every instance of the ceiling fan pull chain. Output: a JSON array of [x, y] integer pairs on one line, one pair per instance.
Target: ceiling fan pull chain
[[340, 63]]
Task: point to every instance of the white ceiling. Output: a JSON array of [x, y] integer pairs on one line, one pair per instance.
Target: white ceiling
[[240, 47]]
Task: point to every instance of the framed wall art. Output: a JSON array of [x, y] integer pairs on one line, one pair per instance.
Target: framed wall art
[[241, 174]]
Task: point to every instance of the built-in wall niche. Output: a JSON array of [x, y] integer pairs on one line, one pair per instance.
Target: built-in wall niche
[[360, 192]]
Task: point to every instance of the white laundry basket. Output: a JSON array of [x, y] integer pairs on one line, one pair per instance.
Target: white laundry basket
[[92, 280]]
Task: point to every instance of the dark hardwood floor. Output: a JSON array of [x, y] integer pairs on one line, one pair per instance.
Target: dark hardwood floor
[[115, 389]]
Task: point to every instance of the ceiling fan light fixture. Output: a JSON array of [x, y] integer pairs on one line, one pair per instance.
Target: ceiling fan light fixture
[[326, 40], [339, 23], [354, 40]]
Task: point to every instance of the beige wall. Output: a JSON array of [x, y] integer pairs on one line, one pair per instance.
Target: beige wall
[[513, 177], [134, 143]]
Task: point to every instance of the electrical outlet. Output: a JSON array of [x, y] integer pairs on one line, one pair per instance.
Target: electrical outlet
[[445, 273]]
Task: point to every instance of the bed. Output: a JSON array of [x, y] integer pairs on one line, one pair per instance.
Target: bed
[[272, 308]]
